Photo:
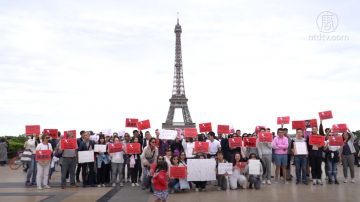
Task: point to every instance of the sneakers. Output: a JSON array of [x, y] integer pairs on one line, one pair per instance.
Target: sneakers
[[268, 182], [314, 182], [345, 181], [137, 184], [219, 189], [263, 182], [197, 189], [353, 180], [320, 182], [47, 187], [121, 184], [336, 182], [40, 188], [99, 185], [133, 184], [28, 184], [113, 184]]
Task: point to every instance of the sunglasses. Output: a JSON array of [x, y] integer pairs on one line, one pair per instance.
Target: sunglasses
[[47, 137]]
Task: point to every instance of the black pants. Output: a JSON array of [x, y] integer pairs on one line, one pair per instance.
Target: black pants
[[102, 174], [200, 184], [78, 170], [88, 173], [135, 171], [315, 163]]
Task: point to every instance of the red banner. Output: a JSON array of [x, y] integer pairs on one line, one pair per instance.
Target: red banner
[[115, 147], [133, 148], [249, 141], [131, 123], [205, 127], [336, 140], [283, 120], [201, 147], [43, 155], [68, 144], [317, 140], [339, 128], [325, 115], [143, 125], [265, 137], [298, 125], [241, 165], [178, 172], [235, 142], [223, 129], [32, 129], [73, 132], [52, 132], [311, 123], [190, 132]]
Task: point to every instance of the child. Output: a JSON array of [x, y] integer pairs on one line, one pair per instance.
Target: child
[[174, 183], [160, 182], [255, 179], [221, 179]]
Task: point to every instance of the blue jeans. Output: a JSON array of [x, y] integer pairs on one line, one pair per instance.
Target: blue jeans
[[31, 173], [332, 169], [300, 164], [174, 185]]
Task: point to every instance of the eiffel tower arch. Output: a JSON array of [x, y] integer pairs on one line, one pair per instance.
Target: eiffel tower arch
[[178, 99]]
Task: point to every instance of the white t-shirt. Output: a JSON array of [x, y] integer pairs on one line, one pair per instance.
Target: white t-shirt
[[41, 146], [30, 144], [189, 148], [214, 146]]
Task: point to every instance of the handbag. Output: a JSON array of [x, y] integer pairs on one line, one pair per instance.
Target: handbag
[[26, 156]]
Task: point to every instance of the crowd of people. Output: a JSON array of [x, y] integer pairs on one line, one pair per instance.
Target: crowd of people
[[150, 168]]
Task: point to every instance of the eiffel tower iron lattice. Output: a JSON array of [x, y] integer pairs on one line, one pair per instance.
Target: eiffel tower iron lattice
[[178, 98]]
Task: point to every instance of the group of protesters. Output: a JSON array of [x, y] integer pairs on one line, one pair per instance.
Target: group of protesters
[[149, 169]]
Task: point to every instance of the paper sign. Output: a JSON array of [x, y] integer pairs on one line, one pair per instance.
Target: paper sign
[[205, 127], [190, 132], [115, 147], [223, 129], [143, 125], [235, 142], [43, 155], [107, 132], [339, 128], [241, 165], [73, 132], [178, 172], [283, 120], [258, 128], [254, 167], [52, 132], [167, 134], [131, 123], [232, 130], [68, 144], [325, 115], [100, 148], [298, 125], [300, 148], [311, 123], [317, 140], [225, 168], [202, 147], [86, 156], [32, 129], [201, 170], [133, 148], [249, 141], [336, 140], [265, 137]]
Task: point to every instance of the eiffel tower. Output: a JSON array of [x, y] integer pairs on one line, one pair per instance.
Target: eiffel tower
[[178, 98]]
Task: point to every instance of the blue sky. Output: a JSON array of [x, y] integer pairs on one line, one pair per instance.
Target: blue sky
[[91, 64]]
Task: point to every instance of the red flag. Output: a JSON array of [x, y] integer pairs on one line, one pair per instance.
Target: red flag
[[143, 125], [201, 147], [232, 130], [115, 147], [283, 120], [249, 141], [298, 125], [317, 140], [205, 127], [133, 148], [52, 132], [258, 128], [336, 140], [325, 115], [68, 143], [131, 123], [311, 123], [32, 129], [223, 129], [235, 142], [265, 137], [73, 132], [178, 172], [339, 128], [43, 155], [241, 165], [190, 132]]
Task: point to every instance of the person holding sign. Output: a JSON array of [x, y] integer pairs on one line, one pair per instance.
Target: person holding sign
[[43, 162], [280, 145], [221, 179], [214, 145], [174, 183], [332, 157], [299, 149], [265, 154], [148, 156], [255, 166], [237, 177], [134, 165], [30, 145], [347, 155], [315, 156], [102, 162], [117, 164], [87, 169]]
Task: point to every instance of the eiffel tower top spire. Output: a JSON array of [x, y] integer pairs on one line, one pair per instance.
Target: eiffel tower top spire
[[178, 85]]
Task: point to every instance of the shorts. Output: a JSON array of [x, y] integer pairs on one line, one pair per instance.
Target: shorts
[[281, 160], [162, 195]]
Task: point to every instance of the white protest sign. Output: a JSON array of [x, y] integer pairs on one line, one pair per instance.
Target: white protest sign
[[100, 148], [300, 148], [225, 168], [86, 156], [168, 134], [254, 167], [201, 170], [107, 132]]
